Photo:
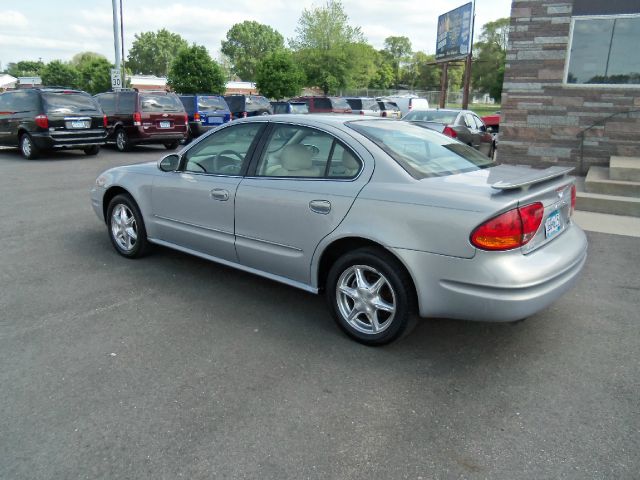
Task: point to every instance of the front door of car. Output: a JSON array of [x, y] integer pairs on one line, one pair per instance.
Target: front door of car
[[194, 206], [299, 190]]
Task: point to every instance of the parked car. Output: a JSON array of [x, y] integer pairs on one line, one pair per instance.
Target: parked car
[[205, 112], [408, 103], [385, 217], [242, 106], [389, 109], [144, 117], [40, 119], [289, 107], [325, 104], [493, 127], [364, 106], [463, 125]]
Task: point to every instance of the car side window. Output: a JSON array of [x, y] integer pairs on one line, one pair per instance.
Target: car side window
[[468, 121], [108, 103], [224, 152], [297, 151], [479, 123]]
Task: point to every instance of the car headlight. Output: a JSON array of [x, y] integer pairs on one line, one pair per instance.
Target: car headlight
[[101, 181]]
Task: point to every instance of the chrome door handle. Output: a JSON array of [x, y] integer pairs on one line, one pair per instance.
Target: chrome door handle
[[220, 194], [320, 206]]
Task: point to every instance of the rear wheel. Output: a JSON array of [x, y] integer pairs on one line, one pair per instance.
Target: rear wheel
[[27, 147], [92, 150], [126, 227], [171, 145], [370, 296], [123, 144]]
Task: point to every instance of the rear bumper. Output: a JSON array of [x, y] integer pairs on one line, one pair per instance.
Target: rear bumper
[[70, 139], [496, 286]]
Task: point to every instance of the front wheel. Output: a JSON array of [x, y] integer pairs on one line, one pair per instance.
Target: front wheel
[[171, 145], [370, 296], [126, 227], [27, 147]]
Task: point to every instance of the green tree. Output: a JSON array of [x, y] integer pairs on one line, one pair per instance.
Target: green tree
[[25, 68], [248, 44], [322, 37], [421, 72], [384, 75], [362, 66], [490, 53], [57, 73], [95, 74], [399, 49], [193, 71], [279, 76], [153, 53], [85, 57]]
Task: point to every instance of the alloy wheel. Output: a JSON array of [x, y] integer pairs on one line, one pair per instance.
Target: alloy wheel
[[123, 227]]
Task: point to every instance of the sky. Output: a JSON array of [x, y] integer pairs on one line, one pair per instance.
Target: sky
[[58, 29]]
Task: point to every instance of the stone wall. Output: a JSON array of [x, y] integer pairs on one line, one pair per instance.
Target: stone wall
[[542, 117]]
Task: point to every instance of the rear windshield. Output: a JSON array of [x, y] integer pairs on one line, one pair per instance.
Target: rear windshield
[[340, 103], [436, 116], [236, 103], [160, 103], [211, 103], [72, 102], [421, 152], [299, 108], [355, 103]]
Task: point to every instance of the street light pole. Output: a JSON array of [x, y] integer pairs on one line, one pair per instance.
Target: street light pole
[[116, 35]]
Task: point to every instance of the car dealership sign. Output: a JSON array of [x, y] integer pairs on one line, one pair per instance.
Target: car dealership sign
[[454, 33]]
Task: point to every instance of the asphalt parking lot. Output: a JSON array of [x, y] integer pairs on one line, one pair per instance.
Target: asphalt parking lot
[[172, 367]]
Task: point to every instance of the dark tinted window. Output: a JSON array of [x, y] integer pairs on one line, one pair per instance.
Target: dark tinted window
[[108, 102], [605, 51], [150, 102], [420, 151], [69, 102], [355, 103], [126, 102], [19, 102], [280, 108], [189, 103], [235, 102], [211, 103], [322, 103]]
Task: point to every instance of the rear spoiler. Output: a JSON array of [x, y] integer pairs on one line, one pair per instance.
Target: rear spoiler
[[536, 176]]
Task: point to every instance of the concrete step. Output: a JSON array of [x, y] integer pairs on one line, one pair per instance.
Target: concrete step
[[624, 168], [598, 181], [612, 204]]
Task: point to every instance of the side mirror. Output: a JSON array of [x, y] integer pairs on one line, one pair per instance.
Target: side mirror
[[169, 163]]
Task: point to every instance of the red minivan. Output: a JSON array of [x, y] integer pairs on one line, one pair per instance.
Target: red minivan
[[144, 117]]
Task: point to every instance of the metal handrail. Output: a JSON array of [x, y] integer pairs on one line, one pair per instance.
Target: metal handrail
[[583, 132]]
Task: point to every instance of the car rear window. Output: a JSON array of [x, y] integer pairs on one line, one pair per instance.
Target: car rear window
[[69, 102], [211, 103], [421, 152], [355, 103], [299, 108], [436, 116], [160, 103], [340, 103], [236, 103]]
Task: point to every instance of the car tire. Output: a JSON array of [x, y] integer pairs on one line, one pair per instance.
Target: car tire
[[126, 227], [370, 296], [28, 149], [92, 150], [123, 144], [171, 145]]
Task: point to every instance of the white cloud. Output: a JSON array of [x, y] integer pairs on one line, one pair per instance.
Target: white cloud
[[13, 19]]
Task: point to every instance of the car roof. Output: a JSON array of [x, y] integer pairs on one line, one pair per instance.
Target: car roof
[[314, 119]]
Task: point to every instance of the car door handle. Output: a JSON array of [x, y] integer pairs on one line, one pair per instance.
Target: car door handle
[[320, 206], [220, 194]]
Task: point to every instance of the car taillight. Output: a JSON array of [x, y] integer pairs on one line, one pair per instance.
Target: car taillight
[[104, 121], [509, 230], [449, 132], [186, 118], [384, 113], [42, 121], [137, 119], [361, 112], [196, 116], [573, 199]]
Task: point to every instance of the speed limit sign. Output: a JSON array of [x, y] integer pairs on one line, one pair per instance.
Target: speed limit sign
[[116, 79]]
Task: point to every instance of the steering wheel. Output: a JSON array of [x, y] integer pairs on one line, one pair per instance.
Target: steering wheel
[[232, 152]]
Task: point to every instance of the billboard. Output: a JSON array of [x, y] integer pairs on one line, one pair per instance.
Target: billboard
[[454, 33]]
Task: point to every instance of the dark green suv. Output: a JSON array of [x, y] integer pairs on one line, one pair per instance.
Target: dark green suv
[[40, 119]]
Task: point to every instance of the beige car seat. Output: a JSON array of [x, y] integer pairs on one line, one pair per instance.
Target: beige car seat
[[296, 162]]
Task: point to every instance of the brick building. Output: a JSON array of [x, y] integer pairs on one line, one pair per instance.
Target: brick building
[[573, 71]]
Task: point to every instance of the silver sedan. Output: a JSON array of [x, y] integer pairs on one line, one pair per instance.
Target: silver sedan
[[387, 218]]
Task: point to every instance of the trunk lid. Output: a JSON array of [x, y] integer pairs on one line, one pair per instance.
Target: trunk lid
[[162, 113]]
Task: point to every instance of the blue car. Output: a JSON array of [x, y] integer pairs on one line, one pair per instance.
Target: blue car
[[205, 112]]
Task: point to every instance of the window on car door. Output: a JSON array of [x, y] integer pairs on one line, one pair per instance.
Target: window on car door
[[224, 152]]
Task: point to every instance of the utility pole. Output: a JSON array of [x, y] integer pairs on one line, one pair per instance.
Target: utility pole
[[116, 35]]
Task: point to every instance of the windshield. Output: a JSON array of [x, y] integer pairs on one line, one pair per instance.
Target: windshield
[[69, 102], [421, 152], [211, 103], [160, 103], [437, 116], [340, 103]]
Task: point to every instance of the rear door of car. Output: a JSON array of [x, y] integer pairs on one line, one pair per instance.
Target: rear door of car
[[213, 110], [72, 114], [162, 113], [283, 214]]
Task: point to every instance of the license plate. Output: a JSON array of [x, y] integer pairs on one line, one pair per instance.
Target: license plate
[[214, 120], [552, 224], [165, 124], [78, 124]]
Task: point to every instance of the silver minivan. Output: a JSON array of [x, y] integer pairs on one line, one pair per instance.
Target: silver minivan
[[364, 106]]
